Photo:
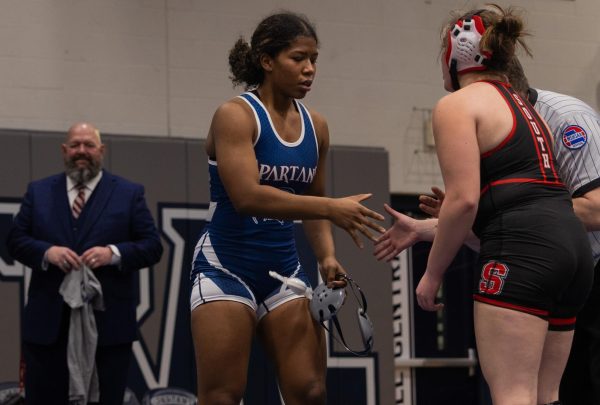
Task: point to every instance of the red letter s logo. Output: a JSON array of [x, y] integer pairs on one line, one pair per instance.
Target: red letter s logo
[[492, 278]]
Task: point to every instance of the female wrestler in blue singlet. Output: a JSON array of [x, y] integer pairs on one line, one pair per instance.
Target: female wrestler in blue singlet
[[267, 168], [535, 264]]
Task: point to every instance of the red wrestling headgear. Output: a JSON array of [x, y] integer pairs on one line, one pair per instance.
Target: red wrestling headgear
[[463, 53]]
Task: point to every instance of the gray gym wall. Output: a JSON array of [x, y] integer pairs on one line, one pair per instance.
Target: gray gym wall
[[159, 67]]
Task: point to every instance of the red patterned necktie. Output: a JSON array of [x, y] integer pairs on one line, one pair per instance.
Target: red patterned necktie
[[79, 200]]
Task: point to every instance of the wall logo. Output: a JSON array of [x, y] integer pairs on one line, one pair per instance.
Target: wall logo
[[164, 354]]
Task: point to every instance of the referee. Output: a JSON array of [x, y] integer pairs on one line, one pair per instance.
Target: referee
[[576, 130]]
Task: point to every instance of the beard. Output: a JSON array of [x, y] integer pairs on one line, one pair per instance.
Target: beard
[[82, 174]]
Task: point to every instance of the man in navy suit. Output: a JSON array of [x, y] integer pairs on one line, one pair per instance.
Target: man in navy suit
[[85, 216]]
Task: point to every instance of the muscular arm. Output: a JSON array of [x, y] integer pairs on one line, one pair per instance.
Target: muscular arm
[[404, 233], [455, 136], [454, 126], [578, 167], [318, 232], [587, 208], [232, 132], [584, 172]]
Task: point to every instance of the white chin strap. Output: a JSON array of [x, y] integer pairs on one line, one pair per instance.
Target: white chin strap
[[463, 53]]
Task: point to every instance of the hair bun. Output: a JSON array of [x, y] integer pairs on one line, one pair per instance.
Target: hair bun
[[510, 26]]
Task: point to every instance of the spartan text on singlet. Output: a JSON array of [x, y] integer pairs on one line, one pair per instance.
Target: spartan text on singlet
[[286, 173]]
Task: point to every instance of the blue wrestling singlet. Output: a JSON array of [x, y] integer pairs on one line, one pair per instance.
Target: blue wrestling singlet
[[236, 252]]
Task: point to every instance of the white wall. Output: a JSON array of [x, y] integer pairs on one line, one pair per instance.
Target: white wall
[[159, 67]]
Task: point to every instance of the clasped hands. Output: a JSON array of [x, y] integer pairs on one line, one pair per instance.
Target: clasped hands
[[406, 231], [67, 260]]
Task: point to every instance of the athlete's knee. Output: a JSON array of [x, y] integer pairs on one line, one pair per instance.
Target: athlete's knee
[[516, 396], [220, 397], [316, 394], [313, 393]]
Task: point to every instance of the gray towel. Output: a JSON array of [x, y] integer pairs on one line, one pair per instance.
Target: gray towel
[[82, 292]]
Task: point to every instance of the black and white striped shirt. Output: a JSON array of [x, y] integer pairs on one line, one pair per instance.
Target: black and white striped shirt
[[575, 127]]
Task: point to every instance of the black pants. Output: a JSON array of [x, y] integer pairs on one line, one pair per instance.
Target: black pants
[[47, 373], [580, 384]]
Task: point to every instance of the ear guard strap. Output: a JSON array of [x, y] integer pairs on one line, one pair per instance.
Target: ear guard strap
[[364, 322], [368, 342], [454, 75]]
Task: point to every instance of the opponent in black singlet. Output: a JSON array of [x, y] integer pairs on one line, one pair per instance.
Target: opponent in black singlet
[[534, 255]]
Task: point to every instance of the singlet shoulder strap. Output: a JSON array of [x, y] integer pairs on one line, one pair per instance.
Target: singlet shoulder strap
[[309, 126], [260, 114]]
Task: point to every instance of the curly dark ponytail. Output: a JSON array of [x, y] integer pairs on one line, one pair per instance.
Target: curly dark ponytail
[[272, 35]]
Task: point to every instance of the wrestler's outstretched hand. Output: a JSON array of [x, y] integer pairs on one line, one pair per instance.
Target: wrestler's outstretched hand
[[401, 235], [349, 214]]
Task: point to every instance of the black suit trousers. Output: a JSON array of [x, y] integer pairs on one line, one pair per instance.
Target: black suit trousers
[[47, 373]]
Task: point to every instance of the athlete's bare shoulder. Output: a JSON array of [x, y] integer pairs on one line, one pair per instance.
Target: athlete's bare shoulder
[[320, 124], [234, 108], [317, 117], [476, 98], [233, 119]]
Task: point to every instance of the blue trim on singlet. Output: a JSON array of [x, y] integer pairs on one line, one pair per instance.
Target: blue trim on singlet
[[250, 246]]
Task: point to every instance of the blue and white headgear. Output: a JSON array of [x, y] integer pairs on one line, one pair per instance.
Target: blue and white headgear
[[463, 53]]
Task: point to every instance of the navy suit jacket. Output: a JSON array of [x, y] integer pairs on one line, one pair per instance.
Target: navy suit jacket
[[116, 213]]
